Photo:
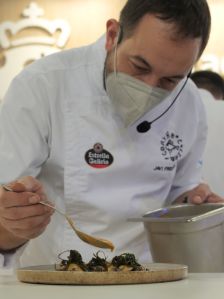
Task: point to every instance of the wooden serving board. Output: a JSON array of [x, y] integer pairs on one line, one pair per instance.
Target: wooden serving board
[[48, 275]]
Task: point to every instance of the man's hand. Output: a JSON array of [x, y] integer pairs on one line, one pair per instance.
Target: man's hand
[[21, 216], [201, 194]]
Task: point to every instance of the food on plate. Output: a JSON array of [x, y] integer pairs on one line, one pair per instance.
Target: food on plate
[[124, 262]]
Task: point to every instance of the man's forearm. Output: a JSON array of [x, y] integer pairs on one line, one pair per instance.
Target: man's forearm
[[8, 241]]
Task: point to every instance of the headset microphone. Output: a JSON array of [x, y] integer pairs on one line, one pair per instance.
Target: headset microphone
[[145, 126]]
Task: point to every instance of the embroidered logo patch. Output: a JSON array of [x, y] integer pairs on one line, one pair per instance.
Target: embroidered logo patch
[[171, 147], [98, 157]]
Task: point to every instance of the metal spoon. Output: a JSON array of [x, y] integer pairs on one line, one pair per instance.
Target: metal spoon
[[95, 241]]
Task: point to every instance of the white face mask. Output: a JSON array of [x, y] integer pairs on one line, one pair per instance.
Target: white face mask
[[131, 97]]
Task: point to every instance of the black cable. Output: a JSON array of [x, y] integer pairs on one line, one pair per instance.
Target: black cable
[[145, 126]]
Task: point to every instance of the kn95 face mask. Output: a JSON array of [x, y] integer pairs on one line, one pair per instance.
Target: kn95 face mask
[[131, 97]]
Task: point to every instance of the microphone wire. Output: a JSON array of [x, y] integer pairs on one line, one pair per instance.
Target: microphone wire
[[145, 126]]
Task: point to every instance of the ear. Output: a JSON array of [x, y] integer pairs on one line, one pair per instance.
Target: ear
[[111, 34]]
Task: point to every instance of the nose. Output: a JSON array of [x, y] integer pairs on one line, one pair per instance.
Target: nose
[[151, 80]]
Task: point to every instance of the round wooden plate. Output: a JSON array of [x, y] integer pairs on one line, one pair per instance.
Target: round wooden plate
[[48, 275]]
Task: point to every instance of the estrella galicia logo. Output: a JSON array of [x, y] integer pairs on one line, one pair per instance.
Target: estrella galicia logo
[[98, 157], [171, 146]]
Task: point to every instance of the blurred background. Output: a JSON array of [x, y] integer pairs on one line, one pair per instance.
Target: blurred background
[[31, 30]]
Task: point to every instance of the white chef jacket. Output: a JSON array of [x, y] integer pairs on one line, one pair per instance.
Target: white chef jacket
[[213, 168], [54, 114]]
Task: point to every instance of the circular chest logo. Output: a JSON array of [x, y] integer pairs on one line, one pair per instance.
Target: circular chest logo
[[98, 157], [171, 146]]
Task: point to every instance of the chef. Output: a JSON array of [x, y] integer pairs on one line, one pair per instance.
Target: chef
[[104, 132]]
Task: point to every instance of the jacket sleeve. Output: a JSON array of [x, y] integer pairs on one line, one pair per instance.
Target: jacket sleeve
[[189, 169], [24, 129], [24, 136]]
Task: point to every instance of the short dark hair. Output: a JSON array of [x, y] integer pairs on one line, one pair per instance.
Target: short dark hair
[[191, 17], [209, 80]]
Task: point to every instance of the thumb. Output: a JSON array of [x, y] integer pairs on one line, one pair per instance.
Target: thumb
[[24, 184], [200, 194], [196, 199], [16, 186]]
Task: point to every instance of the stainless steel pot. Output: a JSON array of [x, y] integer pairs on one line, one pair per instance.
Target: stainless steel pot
[[187, 234]]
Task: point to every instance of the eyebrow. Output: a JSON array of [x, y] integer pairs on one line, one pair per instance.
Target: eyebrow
[[147, 64]]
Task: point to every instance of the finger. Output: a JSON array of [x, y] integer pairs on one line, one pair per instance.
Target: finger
[[200, 194], [36, 188], [26, 224], [213, 198], [203, 190], [30, 183], [31, 232], [19, 213], [196, 199], [27, 183], [14, 199], [16, 186]]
